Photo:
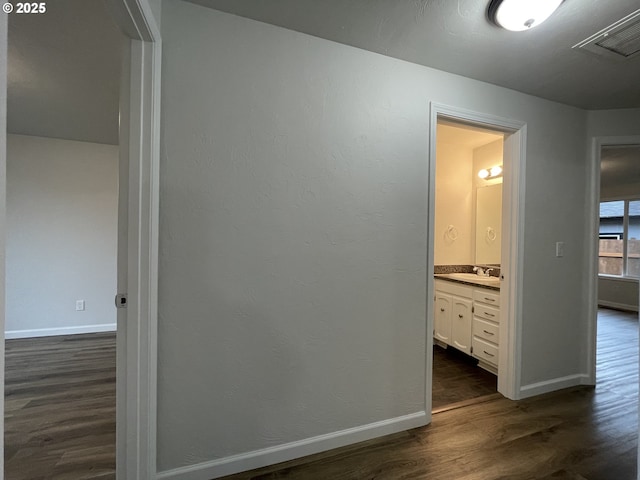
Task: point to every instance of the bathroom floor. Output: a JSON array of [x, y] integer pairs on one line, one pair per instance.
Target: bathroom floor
[[457, 379]]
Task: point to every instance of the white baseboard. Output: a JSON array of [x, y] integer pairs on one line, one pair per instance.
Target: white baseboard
[[289, 451], [618, 306], [553, 385], [49, 332]]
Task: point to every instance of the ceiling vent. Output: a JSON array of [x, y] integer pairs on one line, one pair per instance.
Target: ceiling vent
[[619, 41]]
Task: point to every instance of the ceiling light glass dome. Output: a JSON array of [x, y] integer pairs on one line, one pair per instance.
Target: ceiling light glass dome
[[519, 15]]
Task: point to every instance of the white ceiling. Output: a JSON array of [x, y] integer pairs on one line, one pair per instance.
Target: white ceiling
[[64, 66], [455, 36], [63, 72]]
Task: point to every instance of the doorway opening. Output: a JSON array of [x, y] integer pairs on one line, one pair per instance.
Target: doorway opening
[[138, 249], [619, 227], [62, 230], [467, 259], [613, 290], [481, 288]]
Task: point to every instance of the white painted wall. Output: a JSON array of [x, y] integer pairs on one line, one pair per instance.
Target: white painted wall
[[454, 205], [621, 122], [61, 236], [293, 211]]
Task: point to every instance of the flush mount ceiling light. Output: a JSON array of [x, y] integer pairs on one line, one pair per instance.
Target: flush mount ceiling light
[[518, 15]]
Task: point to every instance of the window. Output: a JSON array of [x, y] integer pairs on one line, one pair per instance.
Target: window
[[619, 252]]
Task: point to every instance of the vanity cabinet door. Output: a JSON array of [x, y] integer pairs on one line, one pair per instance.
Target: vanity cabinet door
[[442, 318], [461, 318]]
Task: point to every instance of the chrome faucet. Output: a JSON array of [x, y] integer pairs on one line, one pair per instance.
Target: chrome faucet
[[481, 272]]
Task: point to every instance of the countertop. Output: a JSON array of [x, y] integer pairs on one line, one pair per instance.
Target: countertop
[[451, 277]]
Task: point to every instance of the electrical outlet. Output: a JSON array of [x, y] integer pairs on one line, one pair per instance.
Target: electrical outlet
[[559, 249], [79, 305]]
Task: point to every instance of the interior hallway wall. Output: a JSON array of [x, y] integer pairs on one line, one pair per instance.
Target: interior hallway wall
[[293, 210], [61, 236]]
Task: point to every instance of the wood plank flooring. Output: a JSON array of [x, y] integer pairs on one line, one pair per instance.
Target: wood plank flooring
[[60, 423], [60, 407], [582, 433], [457, 379]]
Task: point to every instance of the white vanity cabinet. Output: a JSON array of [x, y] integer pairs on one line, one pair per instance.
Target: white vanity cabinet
[[442, 318], [486, 328], [467, 318], [453, 315]]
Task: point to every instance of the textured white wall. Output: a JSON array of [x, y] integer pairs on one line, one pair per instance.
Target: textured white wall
[[61, 236], [602, 123], [293, 235], [454, 205]]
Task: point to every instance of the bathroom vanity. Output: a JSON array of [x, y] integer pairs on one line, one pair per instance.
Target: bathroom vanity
[[467, 316]]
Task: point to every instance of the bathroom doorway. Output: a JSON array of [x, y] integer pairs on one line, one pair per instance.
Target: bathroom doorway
[[488, 295], [467, 258]]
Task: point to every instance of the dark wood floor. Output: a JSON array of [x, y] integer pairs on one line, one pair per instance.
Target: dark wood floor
[[575, 434], [60, 407], [60, 423], [457, 380]]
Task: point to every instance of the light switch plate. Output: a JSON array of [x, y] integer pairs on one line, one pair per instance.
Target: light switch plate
[[559, 249]]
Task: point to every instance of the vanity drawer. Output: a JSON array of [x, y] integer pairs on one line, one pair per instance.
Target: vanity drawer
[[486, 312], [486, 296], [485, 330], [485, 351], [453, 288]]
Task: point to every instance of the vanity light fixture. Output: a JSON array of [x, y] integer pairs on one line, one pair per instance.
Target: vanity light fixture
[[519, 15], [489, 173]]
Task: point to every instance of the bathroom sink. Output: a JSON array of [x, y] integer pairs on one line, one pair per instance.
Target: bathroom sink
[[472, 277]]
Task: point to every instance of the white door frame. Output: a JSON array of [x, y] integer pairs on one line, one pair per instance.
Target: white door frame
[[137, 339], [136, 384], [592, 242], [509, 364]]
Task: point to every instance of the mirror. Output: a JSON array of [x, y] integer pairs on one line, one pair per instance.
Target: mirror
[[488, 224]]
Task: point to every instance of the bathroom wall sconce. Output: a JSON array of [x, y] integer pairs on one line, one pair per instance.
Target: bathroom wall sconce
[[519, 15], [493, 172]]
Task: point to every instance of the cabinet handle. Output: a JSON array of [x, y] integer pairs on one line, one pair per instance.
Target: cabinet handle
[[489, 314], [488, 333], [441, 309], [490, 354], [489, 299], [460, 315]]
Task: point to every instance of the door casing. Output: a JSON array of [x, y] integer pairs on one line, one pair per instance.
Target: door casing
[[514, 157]]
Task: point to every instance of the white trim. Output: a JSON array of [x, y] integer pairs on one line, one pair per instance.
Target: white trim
[[137, 351], [554, 384], [513, 194], [512, 239], [593, 206], [618, 306], [50, 332], [615, 278], [289, 451]]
